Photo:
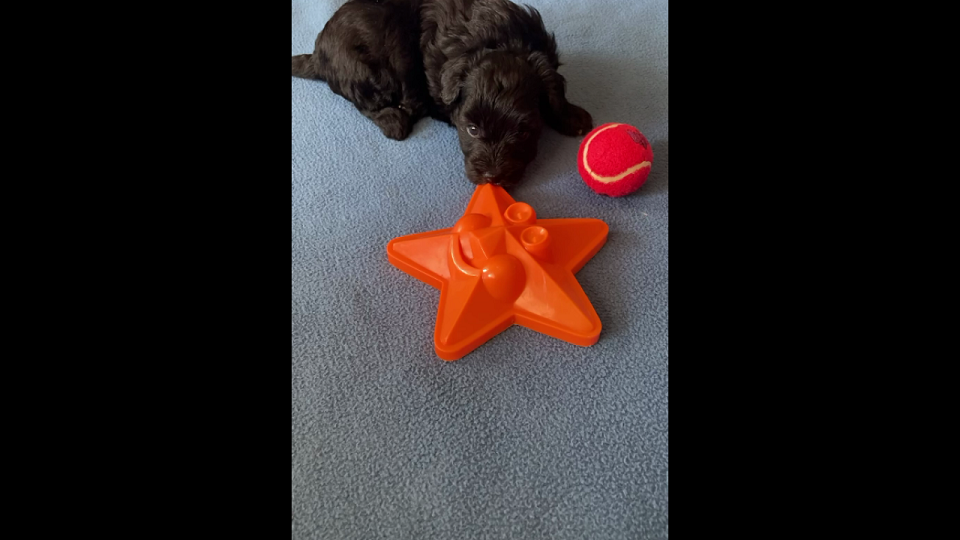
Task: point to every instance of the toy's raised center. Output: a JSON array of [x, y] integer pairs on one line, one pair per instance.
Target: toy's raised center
[[503, 277], [471, 222]]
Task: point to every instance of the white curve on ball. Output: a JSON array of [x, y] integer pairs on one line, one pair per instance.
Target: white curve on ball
[[608, 179]]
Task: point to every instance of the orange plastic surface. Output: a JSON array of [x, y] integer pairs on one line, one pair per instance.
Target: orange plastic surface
[[499, 265]]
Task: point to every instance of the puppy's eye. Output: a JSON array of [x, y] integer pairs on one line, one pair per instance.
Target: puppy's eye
[[523, 135], [473, 131]]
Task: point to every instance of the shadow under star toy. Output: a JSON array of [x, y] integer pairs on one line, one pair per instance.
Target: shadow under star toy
[[499, 265]]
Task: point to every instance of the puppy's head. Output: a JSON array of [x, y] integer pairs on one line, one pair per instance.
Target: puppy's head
[[497, 115]]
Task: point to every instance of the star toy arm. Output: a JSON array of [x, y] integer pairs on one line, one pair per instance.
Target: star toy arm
[[422, 255]]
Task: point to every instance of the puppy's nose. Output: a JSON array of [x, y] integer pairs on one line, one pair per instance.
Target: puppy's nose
[[491, 178]]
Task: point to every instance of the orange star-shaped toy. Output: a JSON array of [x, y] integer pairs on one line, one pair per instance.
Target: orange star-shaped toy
[[500, 265]]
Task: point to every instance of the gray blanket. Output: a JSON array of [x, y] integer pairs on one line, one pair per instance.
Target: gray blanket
[[528, 436]]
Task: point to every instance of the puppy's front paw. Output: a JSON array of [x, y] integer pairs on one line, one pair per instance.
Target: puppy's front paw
[[574, 121], [394, 123]]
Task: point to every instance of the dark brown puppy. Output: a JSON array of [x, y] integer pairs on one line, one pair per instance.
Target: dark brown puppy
[[488, 67]]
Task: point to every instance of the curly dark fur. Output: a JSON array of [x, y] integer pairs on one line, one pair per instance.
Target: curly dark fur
[[488, 67]]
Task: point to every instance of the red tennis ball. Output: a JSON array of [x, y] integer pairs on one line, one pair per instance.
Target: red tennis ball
[[615, 159]]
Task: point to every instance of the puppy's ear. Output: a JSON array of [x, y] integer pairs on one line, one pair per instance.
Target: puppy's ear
[[557, 112], [451, 78], [554, 85]]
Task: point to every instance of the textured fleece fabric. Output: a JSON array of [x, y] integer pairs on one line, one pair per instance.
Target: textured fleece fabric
[[528, 436]]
